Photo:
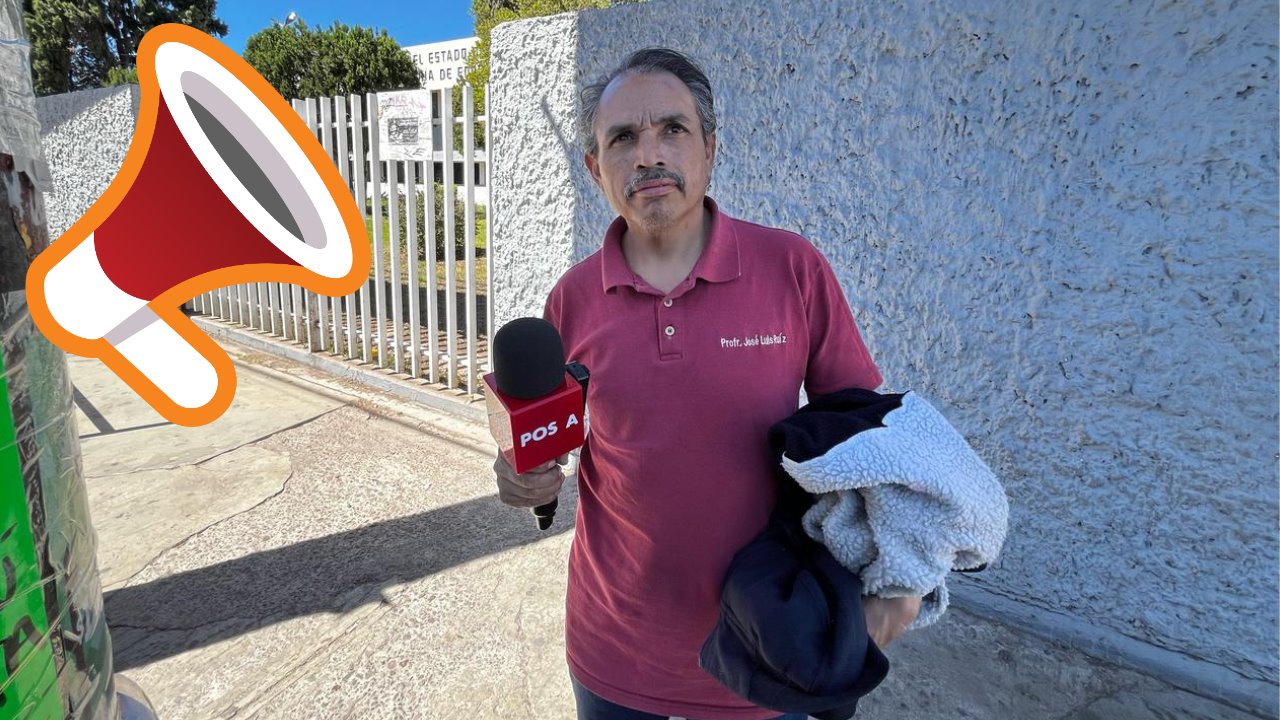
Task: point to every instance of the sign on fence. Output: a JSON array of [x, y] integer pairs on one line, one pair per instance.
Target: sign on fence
[[404, 123]]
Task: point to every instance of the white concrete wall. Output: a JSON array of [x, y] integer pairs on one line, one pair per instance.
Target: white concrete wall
[[1060, 223], [85, 136]]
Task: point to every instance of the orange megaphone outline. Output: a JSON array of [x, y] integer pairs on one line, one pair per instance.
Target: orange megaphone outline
[[168, 319]]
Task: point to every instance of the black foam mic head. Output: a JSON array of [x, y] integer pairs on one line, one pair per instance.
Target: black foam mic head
[[528, 358]]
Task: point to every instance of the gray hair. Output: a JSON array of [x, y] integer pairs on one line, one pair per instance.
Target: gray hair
[[643, 62]]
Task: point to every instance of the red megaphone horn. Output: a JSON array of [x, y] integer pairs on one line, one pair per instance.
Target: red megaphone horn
[[223, 184]]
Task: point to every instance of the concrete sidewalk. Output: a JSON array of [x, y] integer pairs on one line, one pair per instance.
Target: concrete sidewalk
[[329, 551]]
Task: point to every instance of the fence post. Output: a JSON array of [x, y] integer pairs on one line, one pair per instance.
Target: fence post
[[469, 185], [488, 221], [375, 172], [450, 259], [357, 141], [411, 257]]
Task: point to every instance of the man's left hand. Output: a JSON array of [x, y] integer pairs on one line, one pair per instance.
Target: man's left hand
[[887, 618]]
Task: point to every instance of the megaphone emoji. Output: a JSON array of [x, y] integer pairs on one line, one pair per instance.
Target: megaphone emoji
[[223, 184]]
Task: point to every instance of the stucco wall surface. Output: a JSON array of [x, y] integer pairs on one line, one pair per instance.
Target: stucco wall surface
[[534, 124], [1059, 223], [85, 136]]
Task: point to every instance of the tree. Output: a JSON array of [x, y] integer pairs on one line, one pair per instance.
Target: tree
[[490, 13], [299, 61], [75, 44], [121, 76]]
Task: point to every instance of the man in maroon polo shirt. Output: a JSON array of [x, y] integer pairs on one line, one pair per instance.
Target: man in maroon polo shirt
[[699, 330]]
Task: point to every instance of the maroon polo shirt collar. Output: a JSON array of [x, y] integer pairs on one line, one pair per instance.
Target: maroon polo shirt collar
[[719, 261]]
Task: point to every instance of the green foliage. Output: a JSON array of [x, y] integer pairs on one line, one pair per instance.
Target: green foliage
[[121, 76], [300, 62], [459, 224], [75, 44], [491, 13]]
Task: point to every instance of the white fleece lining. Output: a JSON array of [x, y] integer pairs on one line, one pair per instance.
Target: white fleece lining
[[905, 504]]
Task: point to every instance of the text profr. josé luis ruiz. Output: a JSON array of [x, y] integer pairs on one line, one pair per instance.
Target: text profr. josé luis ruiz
[[754, 341]]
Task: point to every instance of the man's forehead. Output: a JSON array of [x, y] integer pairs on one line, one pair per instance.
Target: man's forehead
[[659, 93]]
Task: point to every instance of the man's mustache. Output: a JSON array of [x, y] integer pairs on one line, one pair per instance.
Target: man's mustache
[[651, 175]]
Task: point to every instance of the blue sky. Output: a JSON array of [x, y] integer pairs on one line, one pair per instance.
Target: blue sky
[[410, 22]]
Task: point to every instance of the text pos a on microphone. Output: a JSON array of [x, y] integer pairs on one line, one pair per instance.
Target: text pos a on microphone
[[223, 184], [536, 401]]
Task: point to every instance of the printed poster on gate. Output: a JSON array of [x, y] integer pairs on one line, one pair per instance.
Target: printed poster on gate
[[404, 125]]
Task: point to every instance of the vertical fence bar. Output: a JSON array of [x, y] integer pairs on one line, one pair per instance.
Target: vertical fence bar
[[317, 117], [298, 312], [279, 320], [301, 309], [411, 257], [255, 316], [429, 227], [393, 247], [264, 301], [343, 127], [488, 227], [333, 304], [450, 260], [266, 308], [358, 157], [469, 191], [284, 308], [375, 172]]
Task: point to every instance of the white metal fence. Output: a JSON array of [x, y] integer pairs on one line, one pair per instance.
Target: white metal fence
[[403, 319]]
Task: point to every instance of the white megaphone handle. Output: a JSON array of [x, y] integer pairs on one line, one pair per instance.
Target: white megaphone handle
[[87, 304], [166, 358]]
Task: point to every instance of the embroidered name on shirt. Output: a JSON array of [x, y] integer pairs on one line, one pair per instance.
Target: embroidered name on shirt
[[754, 341]]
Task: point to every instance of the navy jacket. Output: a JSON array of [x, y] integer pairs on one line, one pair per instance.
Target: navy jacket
[[792, 635]]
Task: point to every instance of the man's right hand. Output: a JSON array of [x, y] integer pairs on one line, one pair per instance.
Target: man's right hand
[[887, 618], [538, 486]]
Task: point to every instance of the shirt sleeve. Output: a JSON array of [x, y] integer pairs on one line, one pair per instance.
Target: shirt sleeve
[[838, 359], [551, 309]]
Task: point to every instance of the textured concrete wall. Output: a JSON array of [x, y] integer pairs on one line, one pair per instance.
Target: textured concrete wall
[[85, 136], [533, 106], [1060, 223]]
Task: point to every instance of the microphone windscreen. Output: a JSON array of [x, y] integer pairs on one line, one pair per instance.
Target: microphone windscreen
[[528, 358]]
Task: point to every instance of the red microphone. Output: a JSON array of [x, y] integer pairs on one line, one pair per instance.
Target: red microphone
[[535, 400]]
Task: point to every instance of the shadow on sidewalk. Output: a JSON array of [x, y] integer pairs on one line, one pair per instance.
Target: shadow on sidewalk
[[323, 575]]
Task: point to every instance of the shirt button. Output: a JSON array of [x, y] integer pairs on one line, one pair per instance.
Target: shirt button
[[666, 302], [671, 330]]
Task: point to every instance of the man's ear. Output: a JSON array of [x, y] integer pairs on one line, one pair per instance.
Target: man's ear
[[593, 167], [711, 150]]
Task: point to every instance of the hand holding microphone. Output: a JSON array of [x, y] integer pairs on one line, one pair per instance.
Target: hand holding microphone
[[535, 488], [536, 410]]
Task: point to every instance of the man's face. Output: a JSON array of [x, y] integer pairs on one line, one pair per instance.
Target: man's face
[[651, 162]]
